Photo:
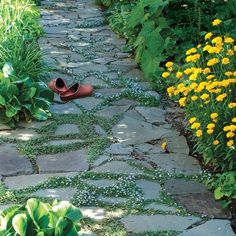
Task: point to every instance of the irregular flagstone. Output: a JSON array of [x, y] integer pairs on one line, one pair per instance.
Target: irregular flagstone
[[86, 233], [4, 127], [19, 134], [64, 142], [112, 200], [100, 131], [152, 114], [100, 160], [149, 149], [154, 94], [153, 223], [94, 81], [66, 129], [65, 109], [12, 162], [107, 92], [134, 114], [25, 181], [89, 102], [161, 207], [211, 228], [195, 197], [93, 213], [63, 162], [125, 102], [151, 190], [135, 73], [176, 163], [132, 131], [178, 144], [63, 194], [34, 124], [117, 167], [111, 111], [102, 183], [119, 149]]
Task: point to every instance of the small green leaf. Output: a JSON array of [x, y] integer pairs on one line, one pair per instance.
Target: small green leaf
[[218, 194], [19, 223]]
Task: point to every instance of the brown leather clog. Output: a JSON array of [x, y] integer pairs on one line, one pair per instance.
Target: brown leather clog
[[76, 91], [58, 85]]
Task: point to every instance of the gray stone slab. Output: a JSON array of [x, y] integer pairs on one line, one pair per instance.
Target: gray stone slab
[[176, 163], [154, 94], [161, 207], [211, 228], [135, 73], [66, 129], [125, 102], [95, 82], [34, 124], [100, 131], [153, 115], [25, 181], [4, 127], [117, 167], [119, 149], [111, 111], [154, 223], [64, 109], [63, 194], [107, 92], [12, 162], [112, 200], [149, 149], [132, 131], [63, 162], [178, 144], [102, 183], [132, 113], [100, 160], [88, 102], [19, 134], [93, 213], [151, 190], [64, 142]]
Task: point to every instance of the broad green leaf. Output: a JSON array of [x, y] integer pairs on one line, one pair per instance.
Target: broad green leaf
[[39, 114], [11, 111], [218, 193], [19, 223], [27, 94], [2, 101]]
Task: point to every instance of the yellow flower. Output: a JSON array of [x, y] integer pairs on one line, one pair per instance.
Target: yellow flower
[[216, 22], [235, 48], [192, 120], [191, 51], [170, 90], [210, 77], [228, 40], [193, 77], [199, 45], [194, 98], [199, 133], [182, 101], [195, 125], [229, 73], [214, 115], [188, 71], [226, 128], [230, 143], [165, 74], [234, 120], [221, 97], [169, 64], [206, 48], [230, 134], [216, 142], [208, 35], [217, 40], [211, 126], [210, 131], [205, 96], [206, 71], [179, 75], [232, 105], [213, 61], [230, 52], [170, 69], [163, 146], [225, 61]]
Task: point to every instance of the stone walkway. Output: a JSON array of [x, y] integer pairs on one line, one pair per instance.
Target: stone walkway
[[103, 153]]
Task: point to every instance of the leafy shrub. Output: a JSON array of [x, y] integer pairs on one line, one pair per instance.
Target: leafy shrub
[[22, 98], [36, 218]]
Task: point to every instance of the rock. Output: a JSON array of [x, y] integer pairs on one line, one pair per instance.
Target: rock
[[149, 149], [100, 131], [151, 190], [19, 134], [195, 197], [153, 223], [211, 228], [65, 109], [104, 60], [66, 129], [26, 181], [94, 82], [112, 200], [117, 167], [11, 162], [102, 183], [63, 162], [119, 149], [93, 213], [161, 207], [107, 92], [111, 111], [100, 160], [145, 86], [135, 73], [64, 142], [132, 131], [153, 94], [178, 144], [125, 102], [152, 114], [89, 102], [134, 114], [4, 127], [34, 124], [176, 163], [63, 194]]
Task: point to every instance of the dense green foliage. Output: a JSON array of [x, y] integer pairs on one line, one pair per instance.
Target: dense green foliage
[[36, 218], [161, 30]]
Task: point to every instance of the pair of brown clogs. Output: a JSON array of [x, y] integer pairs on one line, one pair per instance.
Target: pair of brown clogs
[[75, 91]]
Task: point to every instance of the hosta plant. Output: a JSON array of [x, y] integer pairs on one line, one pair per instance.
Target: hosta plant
[[36, 218], [22, 98]]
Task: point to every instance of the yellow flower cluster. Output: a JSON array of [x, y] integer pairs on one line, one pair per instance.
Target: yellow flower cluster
[[206, 88]]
